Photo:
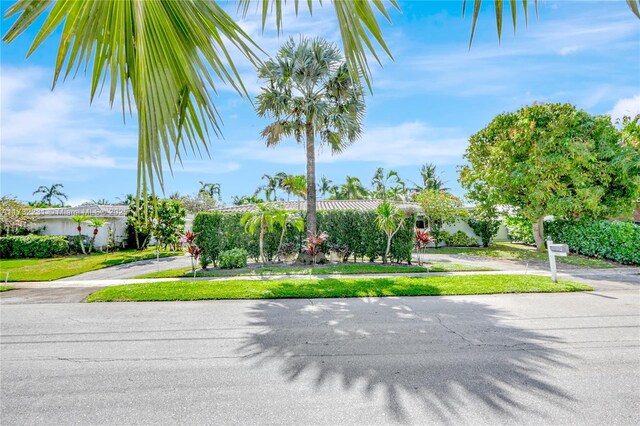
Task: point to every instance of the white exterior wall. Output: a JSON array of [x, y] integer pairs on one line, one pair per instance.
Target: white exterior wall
[[462, 225], [65, 226]]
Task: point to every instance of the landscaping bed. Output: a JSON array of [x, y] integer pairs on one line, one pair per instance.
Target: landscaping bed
[[335, 269], [67, 266], [334, 287]]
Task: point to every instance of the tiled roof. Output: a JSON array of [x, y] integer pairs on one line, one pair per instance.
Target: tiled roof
[[107, 210], [362, 205]]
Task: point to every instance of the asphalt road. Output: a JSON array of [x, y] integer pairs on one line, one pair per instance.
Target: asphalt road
[[502, 359]]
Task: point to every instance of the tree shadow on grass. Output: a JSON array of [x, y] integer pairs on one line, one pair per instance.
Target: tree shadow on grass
[[425, 355]]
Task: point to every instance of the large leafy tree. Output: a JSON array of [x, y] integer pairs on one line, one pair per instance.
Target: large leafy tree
[[309, 92], [14, 216], [127, 41], [552, 159], [50, 193]]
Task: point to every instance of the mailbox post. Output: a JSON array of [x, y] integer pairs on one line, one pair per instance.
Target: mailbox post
[[555, 250]]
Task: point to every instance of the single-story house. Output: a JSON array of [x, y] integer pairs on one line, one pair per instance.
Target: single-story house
[[59, 221]]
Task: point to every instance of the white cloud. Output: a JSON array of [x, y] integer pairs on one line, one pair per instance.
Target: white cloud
[[45, 132], [626, 107], [410, 143]]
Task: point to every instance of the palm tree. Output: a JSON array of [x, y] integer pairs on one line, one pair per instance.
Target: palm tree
[[390, 220], [260, 220], [127, 42], [430, 179], [309, 92], [386, 184], [353, 189], [325, 186], [270, 187], [50, 193], [95, 223], [211, 190], [79, 219]]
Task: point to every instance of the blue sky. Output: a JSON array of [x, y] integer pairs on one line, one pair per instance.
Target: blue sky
[[426, 102]]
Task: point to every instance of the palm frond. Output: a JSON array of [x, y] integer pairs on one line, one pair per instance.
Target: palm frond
[[162, 55]]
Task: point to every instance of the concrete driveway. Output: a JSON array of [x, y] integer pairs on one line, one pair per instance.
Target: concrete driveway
[[505, 359]]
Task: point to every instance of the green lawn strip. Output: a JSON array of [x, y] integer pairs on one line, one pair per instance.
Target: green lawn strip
[[333, 287], [67, 266], [347, 269], [6, 288], [521, 252]]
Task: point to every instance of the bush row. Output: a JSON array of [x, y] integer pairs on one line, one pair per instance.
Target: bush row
[[40, 246], [355, 230], [618, 241]]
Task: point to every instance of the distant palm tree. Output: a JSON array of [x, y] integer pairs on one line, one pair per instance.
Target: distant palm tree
[[430, 179], [50, 193], [101, 202], [239, 200], [353, 189], [210, 189], [95, 223], [325, 186], [309, 92], [296, 185], [387, 185], [270, 188]]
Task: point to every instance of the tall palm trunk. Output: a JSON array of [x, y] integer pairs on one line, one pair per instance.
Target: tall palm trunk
[[311, 181]]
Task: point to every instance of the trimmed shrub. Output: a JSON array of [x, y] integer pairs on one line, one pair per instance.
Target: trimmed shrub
[[519, 230], [234, 258], [618, 241], [39, 246], [459, 239]]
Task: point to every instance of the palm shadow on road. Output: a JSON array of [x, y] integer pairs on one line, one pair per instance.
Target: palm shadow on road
[[438, 353]]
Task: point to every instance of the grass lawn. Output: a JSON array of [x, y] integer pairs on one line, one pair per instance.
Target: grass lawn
[[346, 269], [522, 252], [6, 288], [333, 287], [61, 267]]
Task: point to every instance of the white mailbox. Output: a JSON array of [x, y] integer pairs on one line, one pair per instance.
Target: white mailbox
[[555, 250]]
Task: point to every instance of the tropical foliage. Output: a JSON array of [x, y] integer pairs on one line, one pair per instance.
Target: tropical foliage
[[50, 193], [390, 220], [261, 220], [168, 223], [552, 159], [95, 224]]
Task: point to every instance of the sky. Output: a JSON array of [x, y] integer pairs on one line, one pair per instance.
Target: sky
[[425, 104]]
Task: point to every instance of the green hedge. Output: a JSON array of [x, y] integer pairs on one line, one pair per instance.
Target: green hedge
[[459, 239], [40, 246], [618, 241], [356, 229]]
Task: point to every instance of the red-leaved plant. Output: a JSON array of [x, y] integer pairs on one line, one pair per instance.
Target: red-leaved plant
[[188, 239], [314, 242], [423, 239]]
